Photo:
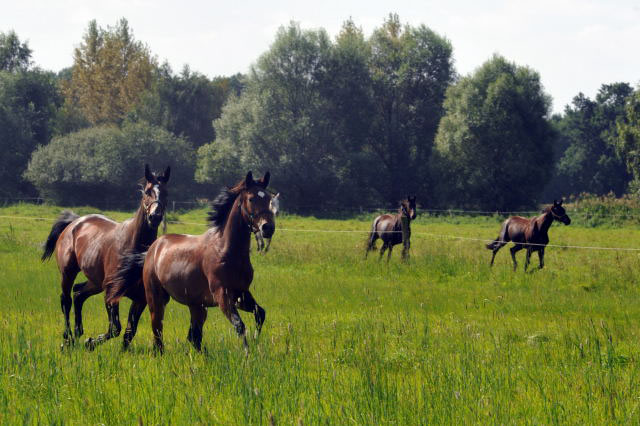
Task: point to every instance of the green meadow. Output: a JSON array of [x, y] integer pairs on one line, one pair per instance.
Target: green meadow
[[347, 340]]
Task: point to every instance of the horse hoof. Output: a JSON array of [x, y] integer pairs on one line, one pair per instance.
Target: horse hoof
[[90, 344]]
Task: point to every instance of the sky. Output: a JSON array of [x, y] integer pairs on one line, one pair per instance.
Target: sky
[[575, 45]]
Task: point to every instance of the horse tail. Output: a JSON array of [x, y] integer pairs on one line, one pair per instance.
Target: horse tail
[[127, 275], [373, 235], [65, 218], [502, 239]]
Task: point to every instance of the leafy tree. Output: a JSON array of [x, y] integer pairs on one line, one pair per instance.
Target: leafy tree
[[99, 165], [494, 142], [587, 131], [111, 71], [185, 104], [14, 56], [28, 103], [411, 68], [628, 141], [335, 122]]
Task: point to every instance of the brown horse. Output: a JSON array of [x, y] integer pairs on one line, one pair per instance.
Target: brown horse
[[200, 271], [393, 229], [531, 234], [94, 245]]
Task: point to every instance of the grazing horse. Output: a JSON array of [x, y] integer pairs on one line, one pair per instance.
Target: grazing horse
[[200, 271], [274, 205], [393, 229], [94, 245], [531, 234]]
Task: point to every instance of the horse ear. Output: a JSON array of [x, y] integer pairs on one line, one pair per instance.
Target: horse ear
[[248, 181], [164, 177], [148, 175], [560, 202], [275, 197], [264, 182]]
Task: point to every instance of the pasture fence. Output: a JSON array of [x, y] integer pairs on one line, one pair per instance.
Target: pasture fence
[[362, 232]]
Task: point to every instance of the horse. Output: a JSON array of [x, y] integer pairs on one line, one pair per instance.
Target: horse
[[531, 234], [393, 229], [274, 205], [94, 245], [208, 270]]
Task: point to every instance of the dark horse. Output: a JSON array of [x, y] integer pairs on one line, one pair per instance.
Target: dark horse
[[94, 245], [393, 229], [531, 234], [200, 271]]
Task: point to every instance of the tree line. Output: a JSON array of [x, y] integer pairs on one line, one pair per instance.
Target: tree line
[[357, 120]]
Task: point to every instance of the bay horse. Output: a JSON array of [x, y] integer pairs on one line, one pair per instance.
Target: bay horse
[[531, 234], [94, 245], [201, 271], [274, 205], [393, 229]]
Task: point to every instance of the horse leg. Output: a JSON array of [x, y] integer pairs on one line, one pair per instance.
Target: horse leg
[[81, 292], [135, 311], [68, 277], [228, 308], [371, 243], [513, 251], [382, 249], [527, 258], [389, 252], [259, 242], [249, 304], [198, 317], [113, 313], [405, 251], [541, 257], [157, 299]]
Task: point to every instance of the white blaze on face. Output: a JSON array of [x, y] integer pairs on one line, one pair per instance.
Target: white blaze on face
[[154, 207], [261, 194]]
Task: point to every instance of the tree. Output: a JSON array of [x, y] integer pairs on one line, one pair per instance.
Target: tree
[[28, 103], [587, 160], [185, 104], [494, 143], [628, 141], [110, 73], [338, 123], [100, 165], [411, 68], [14, 56]]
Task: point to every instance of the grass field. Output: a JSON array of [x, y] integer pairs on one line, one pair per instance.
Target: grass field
[[442, 339]]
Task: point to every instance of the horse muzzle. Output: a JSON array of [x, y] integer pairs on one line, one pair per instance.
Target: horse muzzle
[[267, 230]]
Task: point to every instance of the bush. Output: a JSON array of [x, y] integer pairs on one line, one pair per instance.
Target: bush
[[102, 166]]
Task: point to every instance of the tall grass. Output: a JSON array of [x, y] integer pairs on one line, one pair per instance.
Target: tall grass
[[442, 339]]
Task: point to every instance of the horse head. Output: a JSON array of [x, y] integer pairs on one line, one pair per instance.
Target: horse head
[[408, 207], [154, 195], [256, 206], [558, 212]]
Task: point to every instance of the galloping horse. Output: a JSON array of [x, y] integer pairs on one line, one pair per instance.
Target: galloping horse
[[274, 205], [531, 234], [200, 271], [393, 229], [94, 245]]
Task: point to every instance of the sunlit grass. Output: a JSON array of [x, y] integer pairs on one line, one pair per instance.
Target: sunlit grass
[[442, 339]]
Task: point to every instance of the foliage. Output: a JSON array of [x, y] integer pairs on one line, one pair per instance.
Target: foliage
[[28, 102], [441, 340], [494, 143], [185, 104], [14, 56], [587, 159], [111, 71], [628, 142], [342, 122], [102, 165]]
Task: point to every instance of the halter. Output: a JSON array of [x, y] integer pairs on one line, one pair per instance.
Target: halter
[[251, 225], [148, 207], [555, 216]]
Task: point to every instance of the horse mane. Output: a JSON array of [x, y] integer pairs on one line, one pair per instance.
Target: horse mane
[[221, 205]]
